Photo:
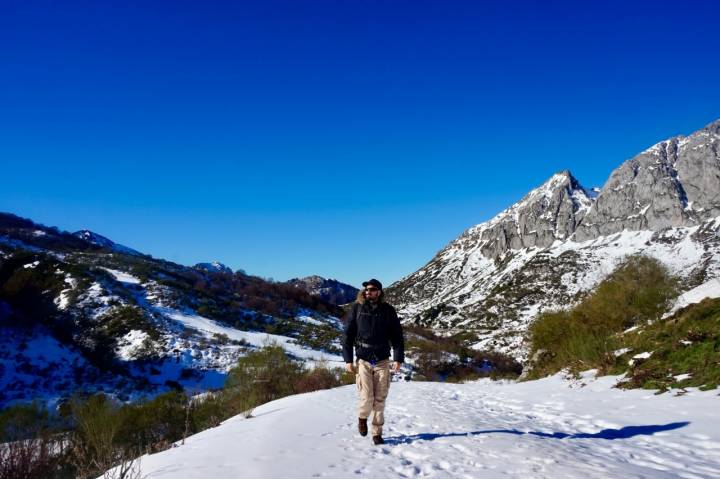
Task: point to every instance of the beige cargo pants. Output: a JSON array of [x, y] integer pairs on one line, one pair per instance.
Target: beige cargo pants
[[373, 383]]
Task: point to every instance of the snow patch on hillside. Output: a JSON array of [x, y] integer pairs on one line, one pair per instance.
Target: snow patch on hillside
[[709, 289], [257, 339], [122, 276]]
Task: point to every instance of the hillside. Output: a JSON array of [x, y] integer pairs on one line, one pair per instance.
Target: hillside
[[81, 313]]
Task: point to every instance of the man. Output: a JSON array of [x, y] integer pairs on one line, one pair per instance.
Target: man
[[372, 326]]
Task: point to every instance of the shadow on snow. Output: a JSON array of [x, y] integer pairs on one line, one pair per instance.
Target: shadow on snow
[[622, 433]]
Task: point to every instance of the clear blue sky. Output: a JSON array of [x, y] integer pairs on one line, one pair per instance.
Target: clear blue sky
[[350, 139]]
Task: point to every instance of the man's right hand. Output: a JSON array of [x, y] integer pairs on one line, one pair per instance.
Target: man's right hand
[[350, 368]]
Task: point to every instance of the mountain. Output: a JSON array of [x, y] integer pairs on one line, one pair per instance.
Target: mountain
[[79, 313], [329, 290], [214, 267], [103, 242], [553, 427], [562, 239], [674, 183]]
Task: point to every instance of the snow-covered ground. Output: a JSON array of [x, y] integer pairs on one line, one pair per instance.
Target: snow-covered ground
[[709, 289], [552, 428]]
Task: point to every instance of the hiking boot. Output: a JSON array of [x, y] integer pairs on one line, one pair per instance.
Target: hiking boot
[[377, 440], [362, 426]]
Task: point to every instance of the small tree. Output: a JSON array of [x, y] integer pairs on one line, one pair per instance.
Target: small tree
[[263, 376]]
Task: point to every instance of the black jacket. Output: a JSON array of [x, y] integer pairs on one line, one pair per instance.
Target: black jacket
[[371, 331]]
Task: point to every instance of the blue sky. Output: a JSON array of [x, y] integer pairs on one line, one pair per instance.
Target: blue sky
[[350, 139]]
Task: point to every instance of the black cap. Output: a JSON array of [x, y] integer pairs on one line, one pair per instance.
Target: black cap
[[373, 282]]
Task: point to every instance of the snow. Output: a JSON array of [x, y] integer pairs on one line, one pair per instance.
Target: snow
[[309, 320], [37, 362], [709, 289], [644, 355], [32, 265], [97, 300], [210, 328], [130, 344], [63, 299], [551, 428], [122, 276]]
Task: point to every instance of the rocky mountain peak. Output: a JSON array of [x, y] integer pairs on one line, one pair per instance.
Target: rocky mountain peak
[[548, 213], [674, 183]]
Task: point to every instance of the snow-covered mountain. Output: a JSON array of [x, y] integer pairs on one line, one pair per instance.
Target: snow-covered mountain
[[330, 290], [77, 313], [550, 428], [214, 267], [104, 242], [562, 239]]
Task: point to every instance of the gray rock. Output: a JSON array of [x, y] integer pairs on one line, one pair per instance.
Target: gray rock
[[547, 214], [674, 183]]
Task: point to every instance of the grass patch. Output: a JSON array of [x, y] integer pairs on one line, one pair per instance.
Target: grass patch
[[686, 344]]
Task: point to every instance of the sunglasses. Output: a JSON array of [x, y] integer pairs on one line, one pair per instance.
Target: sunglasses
[[369, 290]]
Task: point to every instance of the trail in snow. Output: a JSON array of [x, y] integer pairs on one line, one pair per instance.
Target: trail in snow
[[548, 428]]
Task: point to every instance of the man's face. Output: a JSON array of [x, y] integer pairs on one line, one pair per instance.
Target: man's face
[[371, 293]]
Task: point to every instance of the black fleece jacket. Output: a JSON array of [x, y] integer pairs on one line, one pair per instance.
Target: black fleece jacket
[[371, 329]]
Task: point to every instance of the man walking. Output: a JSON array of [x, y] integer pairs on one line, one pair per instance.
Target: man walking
[[372, 326]]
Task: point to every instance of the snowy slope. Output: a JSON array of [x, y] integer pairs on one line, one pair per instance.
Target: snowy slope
[[551, 428], [219, 358], [159, 324], [709, 289]]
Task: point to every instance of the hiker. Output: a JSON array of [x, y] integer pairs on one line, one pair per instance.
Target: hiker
[[372, 326]]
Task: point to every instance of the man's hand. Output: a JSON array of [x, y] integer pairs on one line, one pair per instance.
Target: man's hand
[[350, 368], [396, 366]]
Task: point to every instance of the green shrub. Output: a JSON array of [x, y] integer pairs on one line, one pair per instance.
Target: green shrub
[[95, 441], [263, 376], [687, 343], [585, 337]]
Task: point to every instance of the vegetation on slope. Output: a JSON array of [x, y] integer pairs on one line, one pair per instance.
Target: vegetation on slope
[[91, 434], [622, 319]]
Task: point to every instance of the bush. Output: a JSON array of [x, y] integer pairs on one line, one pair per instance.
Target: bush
[[29, 449], [263, 376], [30, 459], [95, 440], [24, 421], [638, 291], [688, 343]]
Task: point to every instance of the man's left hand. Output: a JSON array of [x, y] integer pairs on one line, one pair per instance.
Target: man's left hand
[[396, 366]]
